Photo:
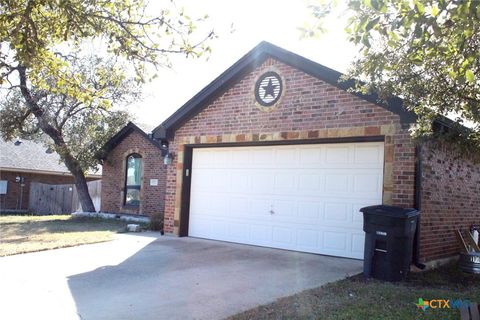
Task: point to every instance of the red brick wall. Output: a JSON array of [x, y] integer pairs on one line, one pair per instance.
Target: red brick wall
[[113, 180], [11, 200], [450, 200], [308, 104]]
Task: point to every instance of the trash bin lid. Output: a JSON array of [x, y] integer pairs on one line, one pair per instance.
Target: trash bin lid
[[390, 211]]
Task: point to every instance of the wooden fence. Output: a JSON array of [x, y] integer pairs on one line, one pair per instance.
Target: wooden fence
[[60, 199], [95, 190]]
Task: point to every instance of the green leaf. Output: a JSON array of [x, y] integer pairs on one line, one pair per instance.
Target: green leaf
[[368, 3], [362, 24], [393, 36], [420, 7], [452, 74], [416, 49], [470, 76], [372, 23], [375, 4], [365, 41]]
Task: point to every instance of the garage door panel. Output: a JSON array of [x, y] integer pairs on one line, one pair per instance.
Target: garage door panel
[[239, 158], [221, 159], [284, 181], [261, 182], [307, 238], [337, 154], [335, 240], [302, 197], [367, 183], [310, 156], [262, 156], [261, 234], [285, 157], [203, 160], [336, 212], [202, 225], [204, 181], [312, 182], [310, 210], [202, 205], [283, 208], [368, 154], [357, 243], [237, 231], [218, 227], [259, 207], [240, 181], [336, 183], [283, 236], [239, 206]]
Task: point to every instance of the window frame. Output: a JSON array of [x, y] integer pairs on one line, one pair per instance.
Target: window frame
[[132, 187]]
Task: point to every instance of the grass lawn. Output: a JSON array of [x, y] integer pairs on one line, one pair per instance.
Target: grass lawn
[[20, 234], [357, 298]]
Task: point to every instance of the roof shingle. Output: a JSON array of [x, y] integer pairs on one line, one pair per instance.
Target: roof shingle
[[31, 156]]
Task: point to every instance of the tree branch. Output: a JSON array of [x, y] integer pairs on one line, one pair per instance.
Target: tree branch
[[37, 111]]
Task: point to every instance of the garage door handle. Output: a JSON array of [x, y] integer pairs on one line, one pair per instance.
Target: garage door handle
[[272, 212]]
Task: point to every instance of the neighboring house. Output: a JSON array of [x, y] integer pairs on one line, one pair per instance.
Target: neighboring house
[[23, 162], [276, 152]]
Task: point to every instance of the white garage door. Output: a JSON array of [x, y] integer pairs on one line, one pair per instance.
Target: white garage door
[[297, 197]]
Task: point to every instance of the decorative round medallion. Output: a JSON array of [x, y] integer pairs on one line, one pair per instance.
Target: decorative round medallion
[[268, 89]]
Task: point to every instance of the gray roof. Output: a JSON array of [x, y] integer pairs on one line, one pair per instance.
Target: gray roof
[[31, 156]]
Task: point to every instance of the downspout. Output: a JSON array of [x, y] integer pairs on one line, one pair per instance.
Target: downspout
[[418, 206]]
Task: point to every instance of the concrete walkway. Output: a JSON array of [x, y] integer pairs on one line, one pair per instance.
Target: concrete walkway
[[144, 276]]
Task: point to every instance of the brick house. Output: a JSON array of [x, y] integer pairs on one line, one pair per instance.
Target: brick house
[[276, 152], [24, 162], [149, 190]]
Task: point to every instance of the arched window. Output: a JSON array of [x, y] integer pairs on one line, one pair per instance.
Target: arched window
[[133, 180]]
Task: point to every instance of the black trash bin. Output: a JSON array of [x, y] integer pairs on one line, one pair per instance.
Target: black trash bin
[[389, 234]]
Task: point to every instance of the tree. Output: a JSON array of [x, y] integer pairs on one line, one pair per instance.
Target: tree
[[77, 130], [424, 51], [66, 66]]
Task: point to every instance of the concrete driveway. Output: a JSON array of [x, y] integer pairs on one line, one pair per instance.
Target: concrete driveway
[[144, 276]]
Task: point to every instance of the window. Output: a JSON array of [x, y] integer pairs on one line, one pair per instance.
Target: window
[[133, 178], [3, 186]]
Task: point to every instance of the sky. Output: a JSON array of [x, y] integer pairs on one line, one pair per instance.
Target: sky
[[275, 21]]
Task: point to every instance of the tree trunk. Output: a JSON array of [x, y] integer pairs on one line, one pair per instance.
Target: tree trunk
[[80, 183], [83, 194], [72, 164]]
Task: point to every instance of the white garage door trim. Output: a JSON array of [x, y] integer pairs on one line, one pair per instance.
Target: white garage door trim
[[296, 197]]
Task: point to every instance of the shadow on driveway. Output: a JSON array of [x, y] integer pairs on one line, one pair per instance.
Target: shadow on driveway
[[187, 278]]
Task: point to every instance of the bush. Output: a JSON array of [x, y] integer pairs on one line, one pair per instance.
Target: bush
[[156, 222]]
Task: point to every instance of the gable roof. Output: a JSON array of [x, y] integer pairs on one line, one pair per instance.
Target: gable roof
[[125, 132], [31, 156], [249, 62]]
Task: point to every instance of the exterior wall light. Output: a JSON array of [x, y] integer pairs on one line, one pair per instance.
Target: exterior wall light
[[168, 158]]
